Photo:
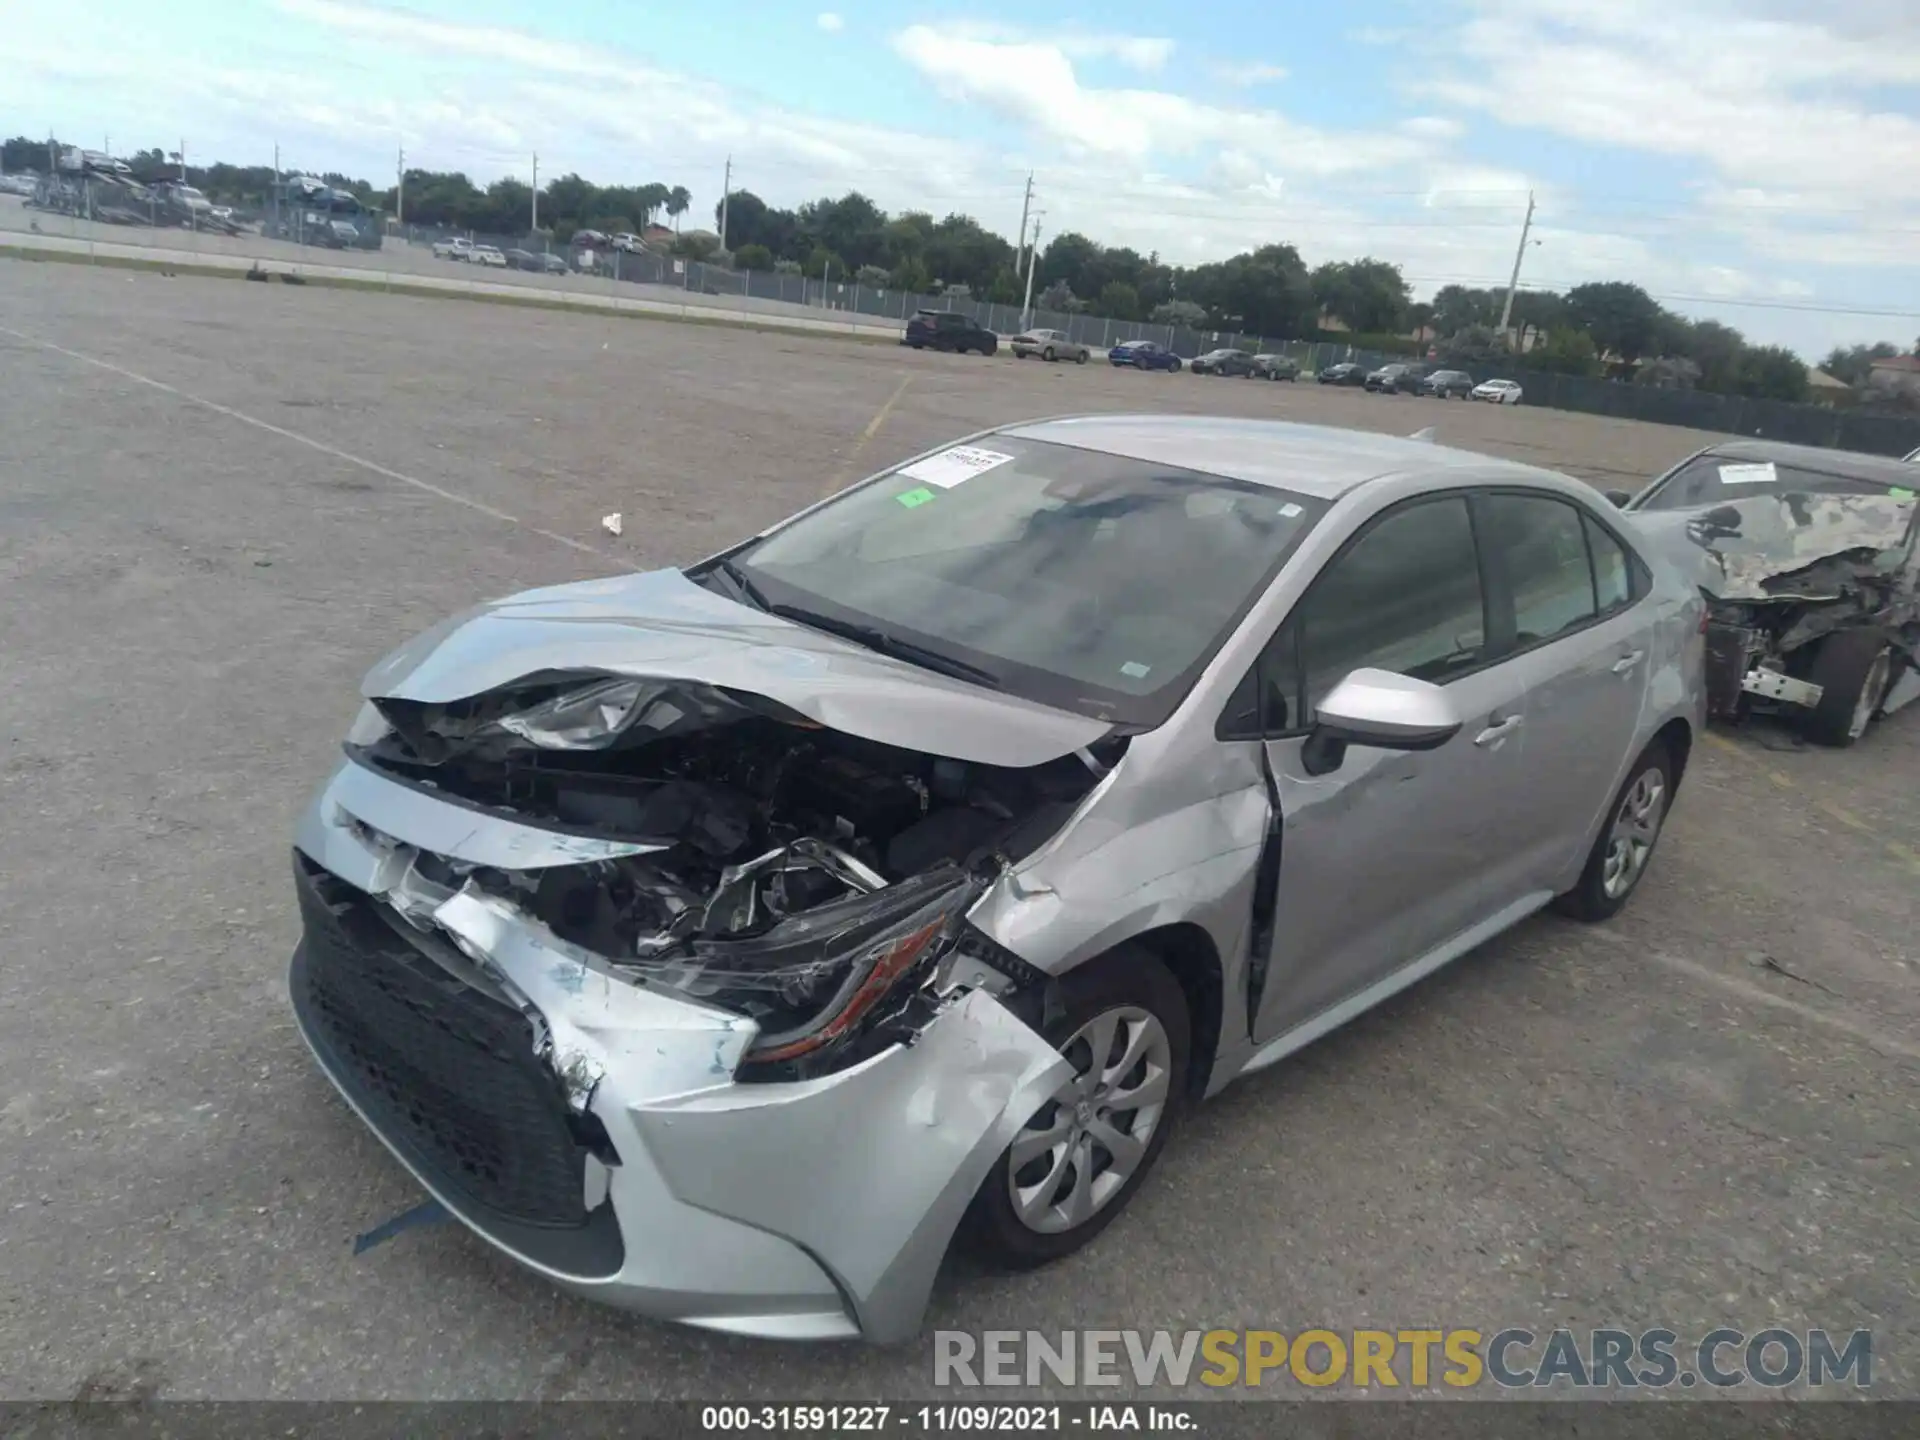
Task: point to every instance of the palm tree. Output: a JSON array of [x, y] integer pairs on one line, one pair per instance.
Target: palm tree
[[679, 201]]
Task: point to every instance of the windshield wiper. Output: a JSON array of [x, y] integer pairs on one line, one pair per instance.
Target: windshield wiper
[[749, 591], [874, 638]]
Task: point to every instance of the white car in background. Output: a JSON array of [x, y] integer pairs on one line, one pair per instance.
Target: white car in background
[[458, 248], [628, 242], [488, 255], [1498, 392]]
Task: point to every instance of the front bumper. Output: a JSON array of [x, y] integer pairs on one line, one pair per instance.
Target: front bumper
[[593, 1131]]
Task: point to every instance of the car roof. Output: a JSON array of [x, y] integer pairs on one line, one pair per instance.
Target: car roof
[[1886, 468], [1320, 460]]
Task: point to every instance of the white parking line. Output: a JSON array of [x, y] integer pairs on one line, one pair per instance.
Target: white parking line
[[1874, 1038], [438, 492]]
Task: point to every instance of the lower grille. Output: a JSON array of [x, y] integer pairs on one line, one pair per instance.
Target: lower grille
[[445, 1073]]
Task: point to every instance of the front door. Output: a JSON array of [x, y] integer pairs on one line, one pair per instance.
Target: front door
[[1392, 853]]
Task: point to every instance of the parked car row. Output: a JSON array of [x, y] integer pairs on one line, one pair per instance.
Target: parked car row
[[953, 331]]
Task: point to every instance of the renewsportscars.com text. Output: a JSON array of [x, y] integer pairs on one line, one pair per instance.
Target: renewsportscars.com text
[[1513, 1358]]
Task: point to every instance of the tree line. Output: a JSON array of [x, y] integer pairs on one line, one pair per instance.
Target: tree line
[[1612, 328]]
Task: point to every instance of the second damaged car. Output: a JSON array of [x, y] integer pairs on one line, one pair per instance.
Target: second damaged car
[[724, 942], [1809, 559]]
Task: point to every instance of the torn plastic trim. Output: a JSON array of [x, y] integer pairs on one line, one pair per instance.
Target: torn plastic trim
[[457, 829]]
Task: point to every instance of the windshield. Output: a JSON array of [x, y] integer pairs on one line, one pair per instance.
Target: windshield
[[1077, 579], [1716, 479]]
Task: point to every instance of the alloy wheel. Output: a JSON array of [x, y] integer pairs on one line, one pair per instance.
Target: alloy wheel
[[1636, 826], [1082, 1147]]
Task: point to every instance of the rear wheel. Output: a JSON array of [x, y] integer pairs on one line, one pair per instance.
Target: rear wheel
[[1854, 669], [1619, 856], [1122, 1024], [1081, 358]]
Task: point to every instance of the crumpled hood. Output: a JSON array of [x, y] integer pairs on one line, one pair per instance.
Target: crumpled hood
[[1753, 549], [660, 625]]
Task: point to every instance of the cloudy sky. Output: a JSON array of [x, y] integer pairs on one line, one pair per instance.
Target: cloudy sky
[[1753, 160]]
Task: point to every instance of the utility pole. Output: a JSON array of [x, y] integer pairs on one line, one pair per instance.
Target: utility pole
[[1033, 264], [726, 189], [1506, 310], [536, 192], [276, 187], [400, 187], [183, 159], [1026, 204]]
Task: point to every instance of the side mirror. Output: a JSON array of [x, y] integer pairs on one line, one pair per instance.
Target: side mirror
[[1384, 711], [1619, 497]]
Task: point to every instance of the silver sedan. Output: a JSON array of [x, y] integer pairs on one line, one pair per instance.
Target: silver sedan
[[726, 942], [1048, 345]]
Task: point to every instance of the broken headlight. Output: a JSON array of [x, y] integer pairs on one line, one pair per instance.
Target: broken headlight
[[587, 718], [369, 727], [816, 977]]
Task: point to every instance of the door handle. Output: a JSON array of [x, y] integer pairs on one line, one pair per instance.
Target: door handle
[[1498, 731], [1627, 661]]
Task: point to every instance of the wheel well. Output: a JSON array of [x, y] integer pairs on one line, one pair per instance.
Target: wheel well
[[1678, 737], [1188, 953]]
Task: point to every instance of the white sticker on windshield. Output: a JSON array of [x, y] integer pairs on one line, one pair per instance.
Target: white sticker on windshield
[[1289, 510], [1134, 670], [1760, 474], [954, 466]]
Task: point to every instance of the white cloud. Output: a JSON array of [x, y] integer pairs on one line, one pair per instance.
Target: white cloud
[[1245, 75], [1034, 82], [1764, 102], [1432, 127], [830, 22], [1144, 53]]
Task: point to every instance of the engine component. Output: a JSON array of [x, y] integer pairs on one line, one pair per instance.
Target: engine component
[[857, 800]]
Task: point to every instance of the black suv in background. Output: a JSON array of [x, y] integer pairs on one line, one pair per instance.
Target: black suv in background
[[1345, 373], [1448, 383], [1396, 379], [948, 330]]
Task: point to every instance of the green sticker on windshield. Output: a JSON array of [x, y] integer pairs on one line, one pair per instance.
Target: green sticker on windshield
[[915, 497], [1900, 493]]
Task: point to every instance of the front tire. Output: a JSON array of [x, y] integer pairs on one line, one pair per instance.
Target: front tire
[[1122, 1023], [1047, 354], [1081, 358], [1620, 855], [1854, 669]]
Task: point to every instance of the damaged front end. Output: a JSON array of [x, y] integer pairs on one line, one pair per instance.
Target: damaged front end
[[668, 989], [1783, 572]]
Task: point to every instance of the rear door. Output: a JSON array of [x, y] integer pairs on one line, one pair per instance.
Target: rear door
[[1583, 639], [1392, 853]]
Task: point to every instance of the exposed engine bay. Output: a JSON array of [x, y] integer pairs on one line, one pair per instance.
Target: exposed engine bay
[[794, 864]]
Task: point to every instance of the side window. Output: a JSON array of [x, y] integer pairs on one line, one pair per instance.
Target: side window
[[1405, 597], [1544, 546], [1612, 572]]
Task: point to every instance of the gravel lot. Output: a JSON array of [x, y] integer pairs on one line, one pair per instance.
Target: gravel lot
[[219, 503]]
